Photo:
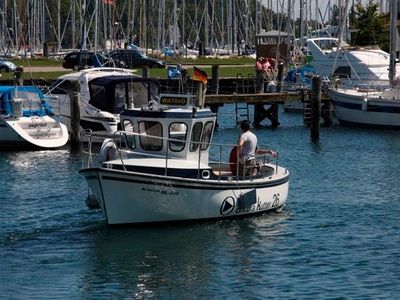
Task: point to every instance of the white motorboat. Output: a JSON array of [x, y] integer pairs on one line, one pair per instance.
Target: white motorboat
[[368, 108], [26, 119], [104, 92], [353, 64], [163, 168]]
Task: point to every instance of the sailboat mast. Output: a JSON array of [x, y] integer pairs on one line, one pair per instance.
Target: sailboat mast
[[393, 34]]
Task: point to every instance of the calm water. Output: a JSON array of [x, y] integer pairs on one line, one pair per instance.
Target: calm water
[[337, 238]]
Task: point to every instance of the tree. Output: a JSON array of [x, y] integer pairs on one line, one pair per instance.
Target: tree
[[371, 27]]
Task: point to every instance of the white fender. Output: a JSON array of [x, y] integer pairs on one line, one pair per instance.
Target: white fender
[[108, 151], [364, 105]]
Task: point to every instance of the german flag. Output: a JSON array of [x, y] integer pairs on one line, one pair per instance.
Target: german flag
[[199, 75]]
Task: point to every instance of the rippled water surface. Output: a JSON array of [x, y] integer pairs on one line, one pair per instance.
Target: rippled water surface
[[337, 238]]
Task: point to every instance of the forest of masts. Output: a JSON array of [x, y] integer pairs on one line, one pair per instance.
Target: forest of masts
[[28, 25]]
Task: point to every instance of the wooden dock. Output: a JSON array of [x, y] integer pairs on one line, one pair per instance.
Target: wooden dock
[[258, 98], [316, 106]]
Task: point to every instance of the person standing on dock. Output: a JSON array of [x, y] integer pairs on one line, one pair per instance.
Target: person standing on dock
[[247, 149]]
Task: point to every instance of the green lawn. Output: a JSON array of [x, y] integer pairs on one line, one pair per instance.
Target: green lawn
[[43, 62], [232, 67]]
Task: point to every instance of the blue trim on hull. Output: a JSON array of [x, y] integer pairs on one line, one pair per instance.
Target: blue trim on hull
[[370, 107], [207, 184]]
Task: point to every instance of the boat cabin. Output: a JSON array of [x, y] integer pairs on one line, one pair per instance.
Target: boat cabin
[[170, 126], [116, 93]]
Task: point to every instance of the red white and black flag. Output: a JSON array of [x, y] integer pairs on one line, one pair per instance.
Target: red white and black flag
[[199, 75]]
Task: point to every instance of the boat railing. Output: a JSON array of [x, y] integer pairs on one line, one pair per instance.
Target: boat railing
[[219, 159]]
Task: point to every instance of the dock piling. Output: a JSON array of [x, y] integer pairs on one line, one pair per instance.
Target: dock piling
[[315, 107], [145, 72], [75, 120], [215, 79]]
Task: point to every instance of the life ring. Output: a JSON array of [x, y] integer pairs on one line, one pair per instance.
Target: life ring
[[233, 160], [108, 151]]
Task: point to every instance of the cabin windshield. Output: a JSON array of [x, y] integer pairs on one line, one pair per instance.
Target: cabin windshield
[[152, 129], [177, 131], [121, 94], [196, 135], [128, 127], [206, 137], [33, 102]]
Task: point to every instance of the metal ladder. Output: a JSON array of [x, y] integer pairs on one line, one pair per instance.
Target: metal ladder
[[307, 110]]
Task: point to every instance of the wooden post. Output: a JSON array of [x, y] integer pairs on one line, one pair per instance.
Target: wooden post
[[326, 112], [215, 79], [259, 81], [315, 107], [145, 72], [75, 114], [200, 94], [279, 77]]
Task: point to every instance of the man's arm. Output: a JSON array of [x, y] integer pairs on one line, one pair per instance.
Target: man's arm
[[273, 153]]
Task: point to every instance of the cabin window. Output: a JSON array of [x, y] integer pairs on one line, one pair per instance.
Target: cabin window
[[196, 135], [206, 137], [343, 72], [129, 128], [98, 97], [177, 131], [120, 102], [153, 129]]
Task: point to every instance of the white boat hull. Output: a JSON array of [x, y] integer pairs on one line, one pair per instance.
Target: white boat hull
[[42, 132], [356, 108], [128, 198]]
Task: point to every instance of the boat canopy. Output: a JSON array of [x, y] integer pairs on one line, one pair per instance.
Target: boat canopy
[[28, 100], [115, 93]]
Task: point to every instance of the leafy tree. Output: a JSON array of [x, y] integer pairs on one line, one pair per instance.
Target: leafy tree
[[371, 27]]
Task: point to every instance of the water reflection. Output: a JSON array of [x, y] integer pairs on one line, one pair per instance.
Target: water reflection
[[143, 263]]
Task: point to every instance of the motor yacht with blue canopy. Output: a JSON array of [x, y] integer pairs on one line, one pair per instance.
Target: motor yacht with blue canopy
[[26, 119]]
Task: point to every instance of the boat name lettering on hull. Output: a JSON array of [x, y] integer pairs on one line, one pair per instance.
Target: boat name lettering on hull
[[42, 125], [259, 206], [161, 191]]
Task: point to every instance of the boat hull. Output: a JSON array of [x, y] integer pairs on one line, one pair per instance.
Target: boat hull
[[43, 132], [129, 198], [361, 110]]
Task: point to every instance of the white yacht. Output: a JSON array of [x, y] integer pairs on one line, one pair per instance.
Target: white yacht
[[104, 92], [354, 65]]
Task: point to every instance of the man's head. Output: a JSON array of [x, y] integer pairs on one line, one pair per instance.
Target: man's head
[[245, 125]]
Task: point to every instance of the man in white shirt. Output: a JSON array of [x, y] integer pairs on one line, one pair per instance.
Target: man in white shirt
[[248, 149]]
